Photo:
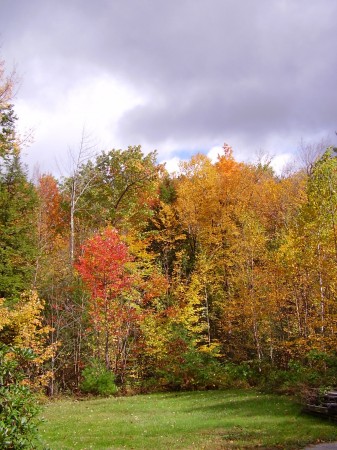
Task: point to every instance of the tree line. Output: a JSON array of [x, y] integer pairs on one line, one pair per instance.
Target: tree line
[[121, 275]]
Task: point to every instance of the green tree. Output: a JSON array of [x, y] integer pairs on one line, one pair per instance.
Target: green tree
[[126, 187], [308, 258], [17, 209]]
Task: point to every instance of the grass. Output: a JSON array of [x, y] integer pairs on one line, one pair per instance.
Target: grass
[[234, 419]]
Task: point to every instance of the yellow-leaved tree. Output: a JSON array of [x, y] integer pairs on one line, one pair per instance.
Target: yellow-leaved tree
[[21, 327]]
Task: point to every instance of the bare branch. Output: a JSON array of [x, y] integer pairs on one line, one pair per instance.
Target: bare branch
[[308, 153]]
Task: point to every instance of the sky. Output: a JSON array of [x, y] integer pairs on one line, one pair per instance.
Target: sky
[[178, 76]]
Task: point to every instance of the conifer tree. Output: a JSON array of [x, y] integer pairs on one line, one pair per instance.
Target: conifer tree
[[17, 209]]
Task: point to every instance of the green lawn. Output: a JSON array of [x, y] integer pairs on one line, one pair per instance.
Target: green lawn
[[190, 420]]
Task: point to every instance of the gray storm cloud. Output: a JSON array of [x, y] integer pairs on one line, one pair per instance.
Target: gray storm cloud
[[207, 69]]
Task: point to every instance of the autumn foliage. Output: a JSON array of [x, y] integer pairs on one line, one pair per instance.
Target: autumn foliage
[[222, 273], [103, 265]]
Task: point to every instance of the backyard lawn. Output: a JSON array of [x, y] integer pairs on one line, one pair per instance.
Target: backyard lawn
[[235, 419]]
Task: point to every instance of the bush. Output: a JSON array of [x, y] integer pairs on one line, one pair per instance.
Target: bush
[[240, 375], [18, 408], [98, 380], [185, 367]]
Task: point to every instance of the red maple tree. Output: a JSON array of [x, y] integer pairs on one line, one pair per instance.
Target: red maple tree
[[103, 268]]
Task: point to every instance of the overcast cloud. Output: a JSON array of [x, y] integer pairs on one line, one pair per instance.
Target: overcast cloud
[[178, 76]]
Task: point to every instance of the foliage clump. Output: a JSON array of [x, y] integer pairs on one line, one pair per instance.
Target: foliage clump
[[23, 353], [98, 380], [18, 406]]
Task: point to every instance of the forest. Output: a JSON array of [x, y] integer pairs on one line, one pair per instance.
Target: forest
[[123, 277]]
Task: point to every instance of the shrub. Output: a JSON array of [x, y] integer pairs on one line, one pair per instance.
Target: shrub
[[183, 366], [98, 380], [18, 408], [239, 375]]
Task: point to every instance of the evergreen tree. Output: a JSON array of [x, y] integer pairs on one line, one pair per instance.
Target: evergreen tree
[[17, 209]]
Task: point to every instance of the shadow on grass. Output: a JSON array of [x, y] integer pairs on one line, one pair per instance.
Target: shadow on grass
[[251, 406]]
